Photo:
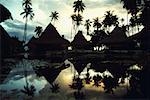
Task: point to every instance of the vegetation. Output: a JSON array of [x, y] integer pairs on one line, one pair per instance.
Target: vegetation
[[27, 13], [38, 30], [55, 87], [29, 90], [54, 16]]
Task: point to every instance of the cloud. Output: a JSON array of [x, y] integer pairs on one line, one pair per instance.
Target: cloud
[[16, 28], [43, 9]]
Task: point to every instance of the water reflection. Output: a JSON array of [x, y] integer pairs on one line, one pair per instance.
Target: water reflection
[[15, 82]]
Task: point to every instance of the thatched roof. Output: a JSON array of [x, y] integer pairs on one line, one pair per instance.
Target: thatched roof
[[79, 41], [52, 37], [142, 37], [118, 35]]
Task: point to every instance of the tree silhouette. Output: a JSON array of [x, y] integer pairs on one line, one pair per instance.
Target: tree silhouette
[[38, 30], [28, 12], [54, 16], [5, 13], [110, 20], [87, 25], [78, 6], [97, 24], [77, 19], [138, 6]]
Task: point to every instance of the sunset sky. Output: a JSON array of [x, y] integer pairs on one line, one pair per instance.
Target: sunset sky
[[43, 8]]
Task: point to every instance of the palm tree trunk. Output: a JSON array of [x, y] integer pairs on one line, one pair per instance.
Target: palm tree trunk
[[25, 36], [25, 30]]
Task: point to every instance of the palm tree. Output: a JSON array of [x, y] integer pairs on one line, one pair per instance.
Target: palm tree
[[131, 6], [77, 19], [110, 20], [54, 16], [5, 13], [38, 30], [78, 6], [97, 24], [28, 12], [87, 25]]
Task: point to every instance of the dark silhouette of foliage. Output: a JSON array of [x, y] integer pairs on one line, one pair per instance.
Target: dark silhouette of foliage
[[110, 20], [4, 13], [29, 90], [78, 6], [55, 87], [97, 79], [136, 7], [77, 84], [77, 18], [87, 25], [88, 79], [28, 12], [54, 16], [38, 30], [97, 24]]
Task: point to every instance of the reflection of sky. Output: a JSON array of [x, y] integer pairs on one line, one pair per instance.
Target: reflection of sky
[[16, 81], [43, 9]]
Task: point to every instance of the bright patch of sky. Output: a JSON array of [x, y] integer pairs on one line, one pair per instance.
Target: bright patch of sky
[[43, 9]]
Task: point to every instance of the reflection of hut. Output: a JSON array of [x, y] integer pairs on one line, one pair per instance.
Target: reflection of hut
[[80, 42], [49, 40], [117, 40], [143, 38]]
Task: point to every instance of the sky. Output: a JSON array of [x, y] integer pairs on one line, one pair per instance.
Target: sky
[[43, 8]]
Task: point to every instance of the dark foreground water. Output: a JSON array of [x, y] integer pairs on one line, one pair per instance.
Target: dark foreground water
[[15, 81]]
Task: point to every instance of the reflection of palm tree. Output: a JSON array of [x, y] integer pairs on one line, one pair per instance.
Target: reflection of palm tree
[[78, 6], [54, 16], [28, 12], [55, 87], [38, 30], [87, 25], [97, 24], [5, 13]]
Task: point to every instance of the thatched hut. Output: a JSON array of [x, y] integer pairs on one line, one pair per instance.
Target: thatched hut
[[80, 42], [118, 40], [143, 38], [50, 40]]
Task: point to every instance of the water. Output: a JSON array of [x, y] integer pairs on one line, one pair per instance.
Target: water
[[15, 81]]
